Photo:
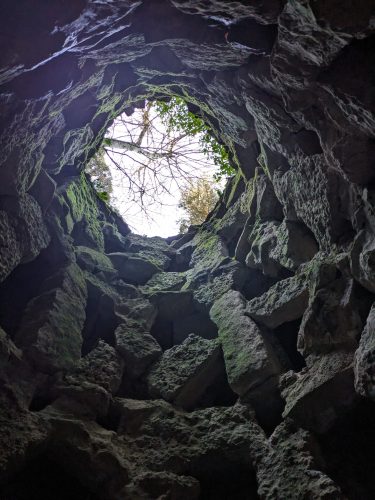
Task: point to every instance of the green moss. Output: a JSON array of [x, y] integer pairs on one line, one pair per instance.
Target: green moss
[[168, 281], [236, 180], [81, 199], [94, 259], [251, 187]]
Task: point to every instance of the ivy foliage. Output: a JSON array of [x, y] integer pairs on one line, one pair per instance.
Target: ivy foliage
[[100, 175], [176, 116]]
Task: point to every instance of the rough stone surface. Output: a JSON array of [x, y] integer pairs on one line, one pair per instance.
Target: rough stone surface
[[332, 319], [285, 301], [184, 372], [138, 348], [364, 361], [23, 232], [248, 356], [284, 265], [50, 332], [330, 376]]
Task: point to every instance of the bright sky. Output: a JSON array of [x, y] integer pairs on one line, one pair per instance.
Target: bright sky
[[165, 217], [163, 213]]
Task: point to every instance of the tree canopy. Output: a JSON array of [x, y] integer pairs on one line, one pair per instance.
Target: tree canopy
[[198, 200], [163, 151]]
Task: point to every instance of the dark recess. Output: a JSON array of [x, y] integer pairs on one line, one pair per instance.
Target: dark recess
[[44, 479], [287, 334], [348, 451]]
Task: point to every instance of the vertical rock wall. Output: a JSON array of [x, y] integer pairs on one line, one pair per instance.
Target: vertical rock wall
[[236, 361]]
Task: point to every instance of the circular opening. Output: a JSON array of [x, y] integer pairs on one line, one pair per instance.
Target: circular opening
[[161, 168]]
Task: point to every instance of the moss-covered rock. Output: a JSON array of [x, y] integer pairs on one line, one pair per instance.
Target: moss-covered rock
[[249, 357], [283, 302], [167, 281], [50, 331], [82, 202], [133, 269]]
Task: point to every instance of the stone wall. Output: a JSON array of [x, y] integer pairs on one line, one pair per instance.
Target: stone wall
[[236, 361]]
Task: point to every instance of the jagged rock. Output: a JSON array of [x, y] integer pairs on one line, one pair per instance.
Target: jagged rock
[[190, 441], [21, 431], [295, 245], [207, 287], [167, 484], [364, 360], [50, 331], [113, 240], [139, 309], [7, 349], [249, 359], [165, 282], [184, 372], [13, 367], [230, 225], [87, 390], [361, 260], [227, 12], [262, 239], [209, 254], [82, 213], [154, 249], [267, 206], [133, 270], [23, 233], [292, 467], [310, 191], [185, 247], [285, 301], [101, 318], [275, 247], [43, 190], [95, 262], [138, 348], [260, 202], [89, 453], [102, 366], [321, 392], [332, 319], [287, 87]]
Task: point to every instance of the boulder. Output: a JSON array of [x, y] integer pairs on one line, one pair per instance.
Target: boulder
[[364, 359], [50, 330], [321, 392], [102, 366], [95, 262], [185, 372], [139, 309], [23, 233], [87, 389], [283, 302], [332, 319], [137, 347], [133, 270], [249, 357]]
